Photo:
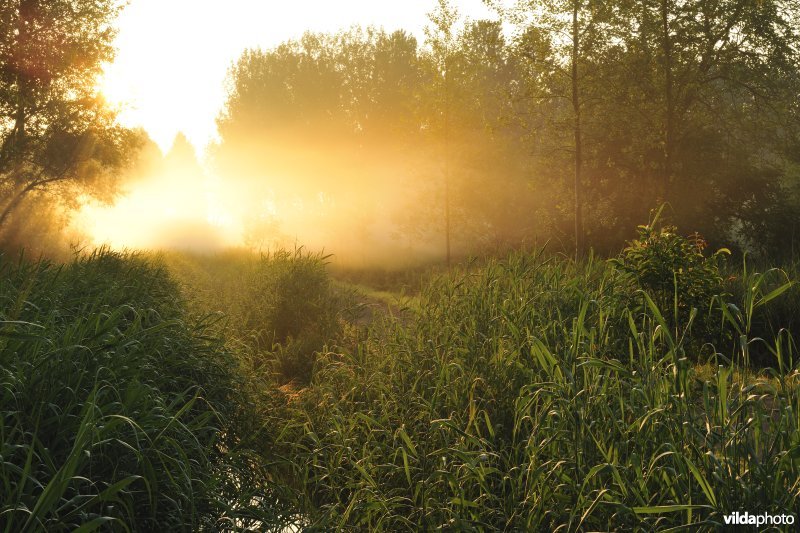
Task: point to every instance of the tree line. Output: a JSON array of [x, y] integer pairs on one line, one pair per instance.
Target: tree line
[[563, 121], [569, 128]]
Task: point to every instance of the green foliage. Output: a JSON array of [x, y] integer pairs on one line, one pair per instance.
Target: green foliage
[[116, 410], [295, 309], [280, 305], [506, 405], [763, 305], [664, 262], [674, 271]]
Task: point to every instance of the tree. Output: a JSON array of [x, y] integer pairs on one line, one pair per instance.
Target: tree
[[321, 128], [720, 77], [688, 102], [490, 206], [570, 36], [57, 133], [574, 58], [441, 39]]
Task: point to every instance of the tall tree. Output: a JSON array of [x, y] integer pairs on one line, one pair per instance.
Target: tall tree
[[56, 132], [569, 37], [574, 59], [322, 128], [441, 35]]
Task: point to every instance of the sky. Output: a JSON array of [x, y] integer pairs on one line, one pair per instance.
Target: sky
[[173, 55]]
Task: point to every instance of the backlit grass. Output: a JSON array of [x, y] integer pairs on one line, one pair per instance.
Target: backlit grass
[[528, 393]]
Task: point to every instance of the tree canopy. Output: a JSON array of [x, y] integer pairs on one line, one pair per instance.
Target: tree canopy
[[57, 133], [652, 101]]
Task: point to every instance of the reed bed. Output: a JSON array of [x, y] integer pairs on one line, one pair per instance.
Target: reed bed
[[536, 394], [527, 393]]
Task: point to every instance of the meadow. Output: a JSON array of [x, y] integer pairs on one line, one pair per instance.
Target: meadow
[[657, 390]]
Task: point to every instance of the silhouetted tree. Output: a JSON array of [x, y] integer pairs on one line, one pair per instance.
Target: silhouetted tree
[[590, 114], [56, 132]]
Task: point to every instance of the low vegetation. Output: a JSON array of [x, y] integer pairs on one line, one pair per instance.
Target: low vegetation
[[534, 393], [280, 307], [116, 409], [655, 390]]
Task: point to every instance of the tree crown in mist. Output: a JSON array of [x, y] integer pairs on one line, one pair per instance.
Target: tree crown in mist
[[697, 97]]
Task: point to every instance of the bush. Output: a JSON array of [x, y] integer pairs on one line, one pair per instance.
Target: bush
[[682, 281]]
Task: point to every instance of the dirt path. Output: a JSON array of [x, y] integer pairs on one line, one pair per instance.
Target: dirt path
[[374, 305]]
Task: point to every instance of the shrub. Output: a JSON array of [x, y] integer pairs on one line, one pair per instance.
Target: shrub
[[675, 273]]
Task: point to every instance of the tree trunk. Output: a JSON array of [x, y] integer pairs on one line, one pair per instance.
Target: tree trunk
[[669, 118], [21, 44], [576, 108], [447, 156]]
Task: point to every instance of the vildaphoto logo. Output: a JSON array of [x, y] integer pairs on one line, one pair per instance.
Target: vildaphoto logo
[[763, 519]]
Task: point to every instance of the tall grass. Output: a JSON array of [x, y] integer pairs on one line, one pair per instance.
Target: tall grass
[[526, 397], [532, 393], [116, 411]]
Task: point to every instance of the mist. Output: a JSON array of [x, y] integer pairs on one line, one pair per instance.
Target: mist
[[368, 165], [336, 198], [384, 151]]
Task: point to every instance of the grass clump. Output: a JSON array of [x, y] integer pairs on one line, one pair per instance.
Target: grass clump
[[281, 306]]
